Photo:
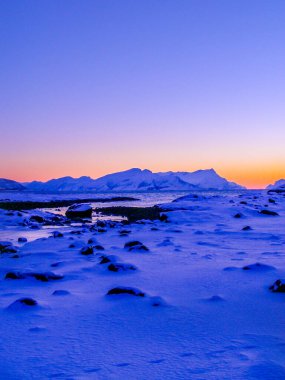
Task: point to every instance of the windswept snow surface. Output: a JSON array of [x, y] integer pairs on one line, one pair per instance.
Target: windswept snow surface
[[195, 305]]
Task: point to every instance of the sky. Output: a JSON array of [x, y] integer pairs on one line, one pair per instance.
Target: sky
[[90, 87]]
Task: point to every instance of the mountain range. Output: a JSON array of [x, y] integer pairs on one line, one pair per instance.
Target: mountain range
[[8, 184], [131, 180]]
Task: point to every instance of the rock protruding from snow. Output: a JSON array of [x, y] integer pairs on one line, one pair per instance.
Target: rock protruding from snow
[[278, 286], [123, 290], [268, 212], [81, 210], [40, 276], [121, 267], [259, 267], [22, 303], [135, 246], [7, 247]]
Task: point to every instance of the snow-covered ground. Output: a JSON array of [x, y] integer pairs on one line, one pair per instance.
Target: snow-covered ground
[[202, 315]]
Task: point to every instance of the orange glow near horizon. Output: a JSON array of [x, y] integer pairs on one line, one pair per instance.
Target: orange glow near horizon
[[251, 177]]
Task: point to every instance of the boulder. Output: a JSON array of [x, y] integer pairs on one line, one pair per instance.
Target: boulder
[[25, 301], [268, 212], [22, 240], [258, 267], [7, 247], [40, 276], [278, 286], [88, 250], [118, 267], [123, 290], [81, 210], [135, 246]]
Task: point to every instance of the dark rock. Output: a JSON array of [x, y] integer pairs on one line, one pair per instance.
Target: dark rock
[[238, 215], [101, 223], [57, 234], [135, 246], [22, 240], [278, 286], [34, 227], [258, 267], [243, 202], [126, 290], [117, 267], [246, 228], [79, 211], [105, 260], [270, 200], [268, 212], [88, 250], [124, 232], [54, 265], [44, 277], [37, 219], [10, 249], [7, 247], [163, 218], [14, 276], [25, 301], [101, 230], [98, 247]]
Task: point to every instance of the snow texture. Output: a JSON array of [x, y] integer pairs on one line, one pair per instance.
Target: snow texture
[[204, 302]]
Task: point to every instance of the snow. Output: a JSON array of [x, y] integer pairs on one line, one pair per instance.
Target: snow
[[189, 309], [80, 207], [280, 184], [8, 184], [137, 180]]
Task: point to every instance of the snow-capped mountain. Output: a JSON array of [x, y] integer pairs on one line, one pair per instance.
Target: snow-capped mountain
[[207, 179], [64, 184], [278, 185], [138, 180], [8, 184]]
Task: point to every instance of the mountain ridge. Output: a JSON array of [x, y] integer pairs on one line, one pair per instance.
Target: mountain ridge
[[136, 179]]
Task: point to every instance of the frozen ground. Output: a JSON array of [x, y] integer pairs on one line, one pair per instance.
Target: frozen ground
[[202, 315]]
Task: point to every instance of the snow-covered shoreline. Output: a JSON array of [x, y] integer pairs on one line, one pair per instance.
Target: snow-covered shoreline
[[207, 311]]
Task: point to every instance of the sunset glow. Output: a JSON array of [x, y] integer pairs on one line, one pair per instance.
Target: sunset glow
[[155, 85]]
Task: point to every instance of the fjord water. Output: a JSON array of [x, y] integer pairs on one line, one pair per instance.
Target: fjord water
[[143, 199]]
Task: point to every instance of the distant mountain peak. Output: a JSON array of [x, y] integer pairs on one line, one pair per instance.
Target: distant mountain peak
[[280, 184], [136, 179], [9, 184]]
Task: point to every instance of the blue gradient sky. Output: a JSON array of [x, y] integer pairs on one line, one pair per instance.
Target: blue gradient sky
[[90, 87]]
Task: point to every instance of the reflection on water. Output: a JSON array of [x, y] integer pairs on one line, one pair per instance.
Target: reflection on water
[[13, 233], [144, 200]]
